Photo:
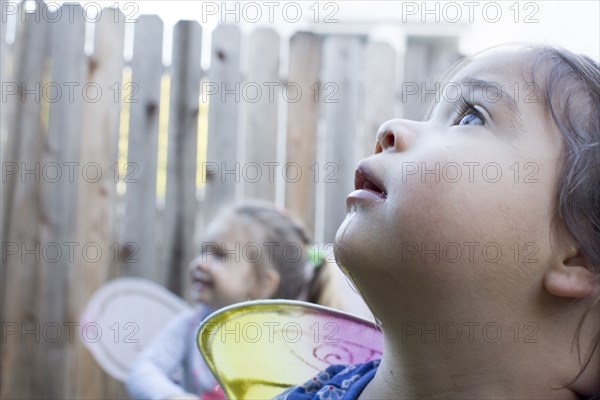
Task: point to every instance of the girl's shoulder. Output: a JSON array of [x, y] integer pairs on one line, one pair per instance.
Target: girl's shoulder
[[335, 383]]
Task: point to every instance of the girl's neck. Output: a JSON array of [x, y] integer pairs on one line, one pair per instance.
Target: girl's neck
[[452, 370]]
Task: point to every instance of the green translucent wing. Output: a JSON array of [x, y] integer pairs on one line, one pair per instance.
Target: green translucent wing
[[257, 349]]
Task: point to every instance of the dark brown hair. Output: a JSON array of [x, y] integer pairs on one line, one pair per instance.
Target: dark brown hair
[[571, 95]]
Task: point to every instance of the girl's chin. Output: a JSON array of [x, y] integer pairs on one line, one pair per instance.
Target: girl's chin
[[201, 297], [353, 233], [356, 244], [340, 236], [346, 249]]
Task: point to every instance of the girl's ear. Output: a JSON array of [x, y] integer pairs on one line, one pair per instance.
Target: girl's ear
[[268, 283], [572, 277]]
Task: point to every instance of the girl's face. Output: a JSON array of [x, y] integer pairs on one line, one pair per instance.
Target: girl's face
[[223, 273], [453, 215]]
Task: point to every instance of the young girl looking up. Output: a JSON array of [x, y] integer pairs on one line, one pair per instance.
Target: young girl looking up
[[250, 251], [484, 275]]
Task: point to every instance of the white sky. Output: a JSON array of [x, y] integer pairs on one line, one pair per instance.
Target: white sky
[[572, 24]]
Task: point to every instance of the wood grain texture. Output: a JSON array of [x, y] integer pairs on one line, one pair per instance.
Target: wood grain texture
[[302, 120], [138, 254], [261, 100], [59, 199], [223, 120], [180, 204], [22, 217], [96, 221], [341, 57]]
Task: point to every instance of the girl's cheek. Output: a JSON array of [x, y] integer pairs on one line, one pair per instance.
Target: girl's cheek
[[439, 212]]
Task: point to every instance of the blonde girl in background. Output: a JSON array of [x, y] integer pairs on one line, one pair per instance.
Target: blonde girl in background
[[253, 250]]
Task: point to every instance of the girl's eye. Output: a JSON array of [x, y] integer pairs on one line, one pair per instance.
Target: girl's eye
[[471, 118], [214, 253], [468, 114]]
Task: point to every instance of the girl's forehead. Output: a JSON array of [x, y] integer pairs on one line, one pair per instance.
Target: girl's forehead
[[232, 227], [505, 65], [504, 79], [503, 76], [225, 226]]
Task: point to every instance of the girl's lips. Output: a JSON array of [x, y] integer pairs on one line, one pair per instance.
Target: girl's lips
[[199, 287], [205, 282], [201, 280], [366, 185], [366, 194], [200, 284]]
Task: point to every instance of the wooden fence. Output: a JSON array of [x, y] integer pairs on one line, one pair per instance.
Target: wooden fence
[[66, 115]]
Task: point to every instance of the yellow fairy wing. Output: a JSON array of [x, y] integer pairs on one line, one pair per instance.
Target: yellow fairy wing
[[257, 349]]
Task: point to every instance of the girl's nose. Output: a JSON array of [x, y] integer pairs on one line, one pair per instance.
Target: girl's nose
[[199, 263], [395, 135]]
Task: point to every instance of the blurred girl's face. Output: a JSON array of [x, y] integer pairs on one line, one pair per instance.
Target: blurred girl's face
[[223, 273], [454, 214]]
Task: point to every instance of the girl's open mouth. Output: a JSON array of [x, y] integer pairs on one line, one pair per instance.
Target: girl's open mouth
[[201, 281], [366, 185]]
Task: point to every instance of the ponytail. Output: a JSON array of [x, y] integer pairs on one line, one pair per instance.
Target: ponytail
[[318, 280]]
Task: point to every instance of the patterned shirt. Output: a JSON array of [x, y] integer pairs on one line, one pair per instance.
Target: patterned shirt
[[342, 382], [338, 382]]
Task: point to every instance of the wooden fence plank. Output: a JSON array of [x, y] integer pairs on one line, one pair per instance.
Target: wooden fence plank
[[59, 199], [97, 192], [138, 254], [6, 58], [341, 56], [223, 119], [5, 79], [22, 216], [180, 203], [302, 117], [261, 115], [379, 93], [9, 91], [426, 59], [3, 43]]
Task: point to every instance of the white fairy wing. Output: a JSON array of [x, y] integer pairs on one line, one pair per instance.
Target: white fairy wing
[[121, 319]]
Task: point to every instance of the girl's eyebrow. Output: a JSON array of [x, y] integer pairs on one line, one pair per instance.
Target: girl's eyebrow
[[504, 96]]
